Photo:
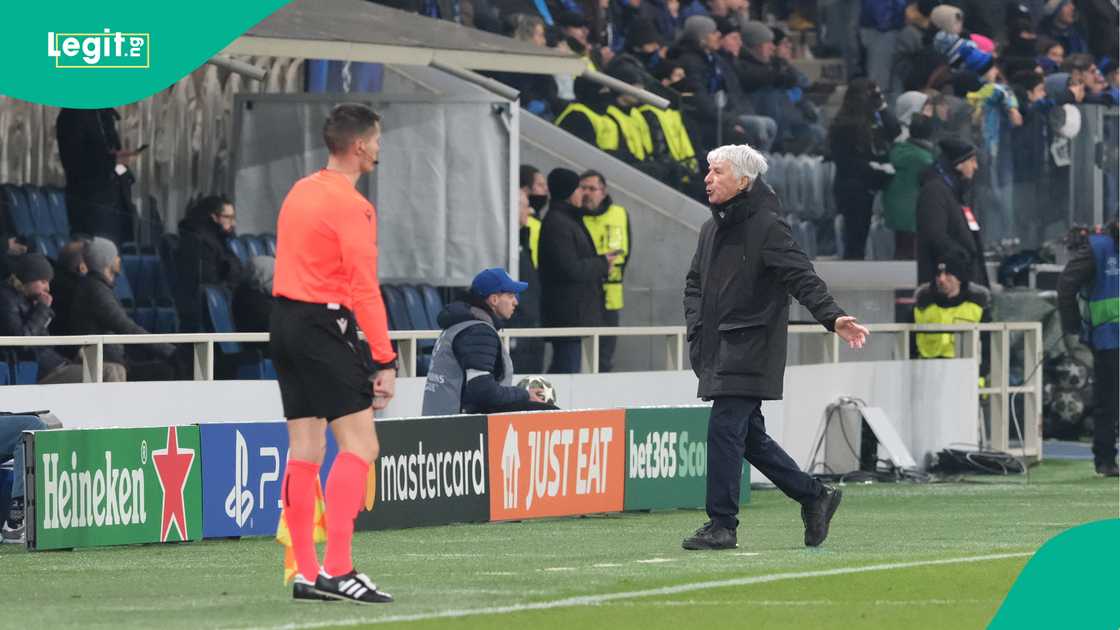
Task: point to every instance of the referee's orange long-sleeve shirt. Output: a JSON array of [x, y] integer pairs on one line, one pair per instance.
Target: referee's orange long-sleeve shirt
[[326, 253]]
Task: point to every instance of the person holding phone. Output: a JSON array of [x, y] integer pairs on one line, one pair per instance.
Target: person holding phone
[[98, 178]]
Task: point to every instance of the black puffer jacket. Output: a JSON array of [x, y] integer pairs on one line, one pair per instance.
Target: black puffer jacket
[[202, 258], [22, 318], [97, 311], [943, 230], [736, 297], [571, 271], [479, 348]]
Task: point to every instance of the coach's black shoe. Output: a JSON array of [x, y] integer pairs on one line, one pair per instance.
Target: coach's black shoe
[[352, 587], [711, 536], [304, 591], [1108, 470], [817, 514]]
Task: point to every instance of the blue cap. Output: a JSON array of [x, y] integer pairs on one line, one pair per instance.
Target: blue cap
[[495, 280]]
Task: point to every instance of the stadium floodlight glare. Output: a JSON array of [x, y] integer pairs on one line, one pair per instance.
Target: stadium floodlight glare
[[644, 96], [470, 76], [246, 70]]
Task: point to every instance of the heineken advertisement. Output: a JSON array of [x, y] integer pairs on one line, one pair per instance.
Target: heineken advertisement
[[667, 458], [97, 487]]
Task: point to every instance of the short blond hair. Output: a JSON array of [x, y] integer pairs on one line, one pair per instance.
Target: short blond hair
[[745, 160]]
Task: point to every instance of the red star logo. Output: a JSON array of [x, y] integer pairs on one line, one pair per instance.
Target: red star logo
[[172, 466]]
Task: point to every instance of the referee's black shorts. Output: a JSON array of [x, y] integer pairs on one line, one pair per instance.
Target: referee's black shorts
[[318, 360]]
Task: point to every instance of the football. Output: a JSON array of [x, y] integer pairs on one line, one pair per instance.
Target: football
[[537, 382]]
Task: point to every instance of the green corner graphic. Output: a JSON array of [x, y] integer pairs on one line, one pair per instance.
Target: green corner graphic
[[74, 53], [1069, 583]]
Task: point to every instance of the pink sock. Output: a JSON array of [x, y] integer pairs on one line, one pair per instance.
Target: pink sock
[[346, 491], [300, 482]]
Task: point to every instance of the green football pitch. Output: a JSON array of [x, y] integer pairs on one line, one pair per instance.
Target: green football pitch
[[898, 556]]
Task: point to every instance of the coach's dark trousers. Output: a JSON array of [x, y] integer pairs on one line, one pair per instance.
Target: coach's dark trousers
[[737, 431]]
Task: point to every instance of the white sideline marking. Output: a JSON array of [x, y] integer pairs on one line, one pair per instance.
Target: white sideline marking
[[606, 565], [594, 600], [560, 569], [653, 561], [746, 553]]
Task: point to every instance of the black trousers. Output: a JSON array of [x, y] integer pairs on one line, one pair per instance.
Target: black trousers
[[1107, 408], [737, 431], [608, 344], [856, 205]]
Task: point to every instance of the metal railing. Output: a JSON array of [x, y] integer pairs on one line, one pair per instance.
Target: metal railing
[[998, 391]]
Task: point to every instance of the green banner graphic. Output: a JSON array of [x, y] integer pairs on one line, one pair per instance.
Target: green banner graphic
[[1069, 583], [667, 458], [74, 53], [96, 487]]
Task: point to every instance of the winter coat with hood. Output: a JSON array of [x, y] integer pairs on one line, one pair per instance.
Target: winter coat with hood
[[943, 229], [910, 160], [97, 311], [478, 348], [204, 257], [571, 270], [736, 297], [20, 317]]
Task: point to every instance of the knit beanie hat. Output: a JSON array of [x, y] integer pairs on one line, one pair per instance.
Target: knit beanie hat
[[962, 53], [956, 151], [1053, 6], [642, 32], [562, 183], [947, 18], [755, 33], [31, 267], [699, 27], [100, 254]]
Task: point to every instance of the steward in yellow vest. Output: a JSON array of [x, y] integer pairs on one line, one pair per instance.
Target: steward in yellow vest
[[948, 300], [609, 226]]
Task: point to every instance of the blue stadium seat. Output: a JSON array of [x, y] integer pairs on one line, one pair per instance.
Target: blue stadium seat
[[414, 304], [5, 373], [395, 308], [243, 364], [167, 320], [40, 212], [19, 213], [220, 316], [131, 266], [56, 201], [123, 290], [44, 245], [269, 244], [238, 247], [254, 246], [433, 304], [418, 316], [26, 373]]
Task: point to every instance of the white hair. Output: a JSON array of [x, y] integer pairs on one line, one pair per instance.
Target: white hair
[[745, 160]]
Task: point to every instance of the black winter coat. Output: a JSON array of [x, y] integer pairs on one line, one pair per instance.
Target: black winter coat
[[202, 258], [20, 317], [97, 311], [943, 230], [571, 271], [736, 297]]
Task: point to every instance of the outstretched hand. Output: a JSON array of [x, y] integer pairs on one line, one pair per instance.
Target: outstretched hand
[[851, 331]]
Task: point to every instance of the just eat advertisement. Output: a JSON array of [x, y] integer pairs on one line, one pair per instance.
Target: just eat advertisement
[[557, 463]]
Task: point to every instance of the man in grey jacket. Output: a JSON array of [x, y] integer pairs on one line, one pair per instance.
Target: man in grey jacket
[[736, 303]]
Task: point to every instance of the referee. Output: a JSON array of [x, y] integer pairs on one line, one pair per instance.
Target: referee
[[326, 276]]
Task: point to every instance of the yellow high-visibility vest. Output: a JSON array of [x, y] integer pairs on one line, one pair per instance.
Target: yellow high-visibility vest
[[634, 129], [610, 232], [534, 226], [676, 135], [943, 345], [606, 131]]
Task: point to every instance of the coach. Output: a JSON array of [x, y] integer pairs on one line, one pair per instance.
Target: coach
[[736, 303]]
